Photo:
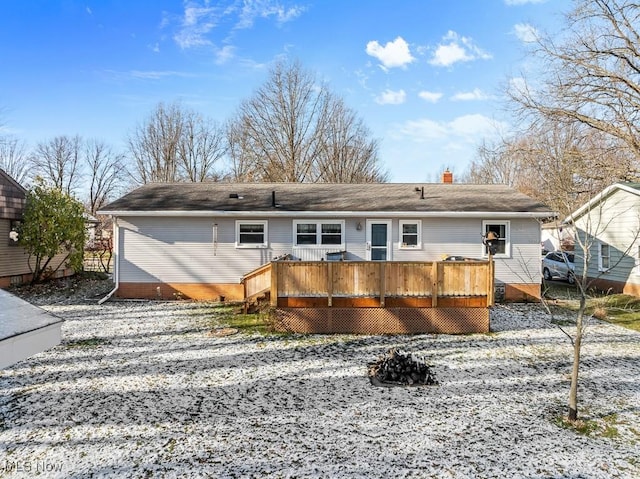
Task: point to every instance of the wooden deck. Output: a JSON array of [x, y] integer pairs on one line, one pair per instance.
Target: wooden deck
[[377, 297]]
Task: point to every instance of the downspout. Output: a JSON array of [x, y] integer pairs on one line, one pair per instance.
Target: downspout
[[116, 262]]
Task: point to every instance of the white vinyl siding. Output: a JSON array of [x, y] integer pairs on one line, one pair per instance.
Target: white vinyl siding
[[182, 250], [442, 237], [615, 221]]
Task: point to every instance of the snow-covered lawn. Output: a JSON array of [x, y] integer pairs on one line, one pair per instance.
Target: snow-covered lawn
[[142, 389]]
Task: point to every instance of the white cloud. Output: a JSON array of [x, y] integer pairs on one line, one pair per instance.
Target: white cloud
[[466, 128], [455, 48], [525, 32], [475, 94], [430, 96], [225, 54], [144, 75], [424, 144], [197, 22], [390, 97], [393, 54], [200, 18], [253, 9]]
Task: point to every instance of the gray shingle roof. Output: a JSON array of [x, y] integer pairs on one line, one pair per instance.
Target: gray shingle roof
[[382, 197]]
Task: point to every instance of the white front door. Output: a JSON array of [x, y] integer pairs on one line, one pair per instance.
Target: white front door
[[378, 240]]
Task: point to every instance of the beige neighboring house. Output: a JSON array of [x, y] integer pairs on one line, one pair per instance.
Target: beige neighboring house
[[610, 225], [14, 260]]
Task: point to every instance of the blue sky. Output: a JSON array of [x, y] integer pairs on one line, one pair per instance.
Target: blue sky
[[424, 75]]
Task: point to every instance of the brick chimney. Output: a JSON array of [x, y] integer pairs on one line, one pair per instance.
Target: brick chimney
[[447, 176]]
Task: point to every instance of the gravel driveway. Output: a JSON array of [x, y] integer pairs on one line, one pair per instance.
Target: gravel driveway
[[143, 389]]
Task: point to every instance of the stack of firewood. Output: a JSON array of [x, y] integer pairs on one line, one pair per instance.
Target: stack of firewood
[[401, 368]]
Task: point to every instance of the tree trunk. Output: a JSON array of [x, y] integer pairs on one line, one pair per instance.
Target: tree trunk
[[577, 343]]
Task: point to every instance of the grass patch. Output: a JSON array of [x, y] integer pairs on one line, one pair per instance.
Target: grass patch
[[86, 343], [258, 323], [620, 309], [606, 427]]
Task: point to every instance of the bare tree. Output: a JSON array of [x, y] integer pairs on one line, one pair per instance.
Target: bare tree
[[591, 222], [590, 75], [293, 129], [154, 145], [562, 165], [201, 148], [58, 162], [494, 164], [106, 170], [347, 154], [14, 159], [175, 144]]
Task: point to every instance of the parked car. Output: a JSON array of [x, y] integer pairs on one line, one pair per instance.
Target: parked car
[[559, 265]]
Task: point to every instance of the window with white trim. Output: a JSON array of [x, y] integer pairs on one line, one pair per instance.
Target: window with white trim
[[502, 229], [312, 233], [251, 234], [410, 234], [604, 256]]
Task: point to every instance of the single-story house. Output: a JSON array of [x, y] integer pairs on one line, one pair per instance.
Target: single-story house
[[14, 260], [197, 240], [608, 228]]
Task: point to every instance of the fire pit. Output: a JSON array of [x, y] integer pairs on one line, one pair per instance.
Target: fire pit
[[400, 368]]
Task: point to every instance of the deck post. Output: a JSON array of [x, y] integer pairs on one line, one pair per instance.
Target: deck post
[[329, 283], [274, 284], [382, 285], [434, 284], [490, 282]]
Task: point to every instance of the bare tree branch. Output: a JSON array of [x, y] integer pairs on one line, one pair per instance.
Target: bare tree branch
[[293, 129], [58, 162]]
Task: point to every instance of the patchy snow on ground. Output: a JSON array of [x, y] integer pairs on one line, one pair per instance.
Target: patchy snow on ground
[[143, 389]]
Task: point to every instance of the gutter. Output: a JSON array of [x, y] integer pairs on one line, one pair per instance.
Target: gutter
[[346, 214], [116, 267]]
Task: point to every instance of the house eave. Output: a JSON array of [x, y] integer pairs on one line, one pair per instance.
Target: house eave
[[604, 194], [344, 214]]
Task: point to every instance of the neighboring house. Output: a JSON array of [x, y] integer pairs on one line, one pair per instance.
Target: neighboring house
[[556, 236], [14, 261], [609, 225], [197, 240], [14, 267]]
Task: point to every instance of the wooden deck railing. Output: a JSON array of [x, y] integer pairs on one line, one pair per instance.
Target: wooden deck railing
[[257, 281], [380, 280]]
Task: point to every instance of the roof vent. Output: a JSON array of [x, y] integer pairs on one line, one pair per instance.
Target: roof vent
[[236, 196], [273, 200]]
